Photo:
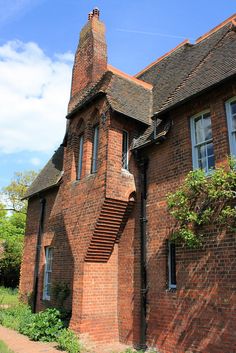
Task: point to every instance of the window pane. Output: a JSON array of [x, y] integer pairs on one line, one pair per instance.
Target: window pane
[[173, 264], [201, 152], [210, 150], [234, 138], [48, 289], [234, 122], [202, 164], [47, 272], [198, 130], [207, 126], [95, 149], [125, 147], [80, 159], [233, 107], [211, 162]]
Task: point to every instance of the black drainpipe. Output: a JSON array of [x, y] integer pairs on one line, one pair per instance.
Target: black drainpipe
[[38, 252], [143, 164]]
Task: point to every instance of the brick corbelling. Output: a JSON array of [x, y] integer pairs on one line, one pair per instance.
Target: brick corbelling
[[112, 218]]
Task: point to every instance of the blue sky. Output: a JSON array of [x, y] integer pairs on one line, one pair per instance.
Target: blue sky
[[37, 42]]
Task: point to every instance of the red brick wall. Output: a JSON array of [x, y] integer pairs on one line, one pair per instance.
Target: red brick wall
[[72, 214], [200, 315]]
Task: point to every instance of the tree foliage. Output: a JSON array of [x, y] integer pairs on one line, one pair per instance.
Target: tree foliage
[[12, 227], [203, 200], [15, 191]]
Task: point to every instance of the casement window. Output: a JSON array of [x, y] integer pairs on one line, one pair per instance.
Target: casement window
[[47, 273], [125, 149], [171, 264], [202, 143], [230, 106], [80, 156], [94, 164]]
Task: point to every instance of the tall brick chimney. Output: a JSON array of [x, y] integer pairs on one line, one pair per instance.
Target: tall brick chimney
[[91, 55]]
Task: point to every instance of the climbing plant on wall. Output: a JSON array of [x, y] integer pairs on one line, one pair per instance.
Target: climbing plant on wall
[[203, 200]]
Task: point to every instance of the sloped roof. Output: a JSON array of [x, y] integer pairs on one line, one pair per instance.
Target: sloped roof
[[187, 70], [49, 176], [125, 94], [148, 137], [190, 69]]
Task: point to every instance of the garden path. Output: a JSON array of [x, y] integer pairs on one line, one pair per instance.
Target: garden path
[[21, 344]]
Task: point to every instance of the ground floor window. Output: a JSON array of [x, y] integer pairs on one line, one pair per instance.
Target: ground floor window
[[47, 273], [171, 264]]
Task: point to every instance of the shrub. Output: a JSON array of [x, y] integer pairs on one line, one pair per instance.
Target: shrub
[[60, 292], [16, 317], [69, 342], [44, 326]]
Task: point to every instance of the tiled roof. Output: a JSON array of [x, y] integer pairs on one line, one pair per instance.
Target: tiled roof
[[49, 176], [148, 137], [190, 69], [180, 74], [125, 94]]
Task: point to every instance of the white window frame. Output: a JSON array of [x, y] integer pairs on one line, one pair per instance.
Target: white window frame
[[195, 145], [80, 156], [171, 284], [47, 270], [229, 116], [125, 150]]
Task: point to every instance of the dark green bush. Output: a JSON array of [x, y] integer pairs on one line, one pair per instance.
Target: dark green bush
[[16, 317], [68, 341], [45, 326]]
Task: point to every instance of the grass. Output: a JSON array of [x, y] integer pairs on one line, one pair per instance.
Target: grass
[[8, 296], [4, 348]]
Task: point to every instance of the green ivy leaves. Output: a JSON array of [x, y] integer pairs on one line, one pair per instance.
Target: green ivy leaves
[[203, 200]]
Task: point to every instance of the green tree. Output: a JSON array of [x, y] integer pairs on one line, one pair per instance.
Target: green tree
[[12, 227], [15, 191]]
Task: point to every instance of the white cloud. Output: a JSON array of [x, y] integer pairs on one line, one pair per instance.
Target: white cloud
[[35, 161], [34, 93]]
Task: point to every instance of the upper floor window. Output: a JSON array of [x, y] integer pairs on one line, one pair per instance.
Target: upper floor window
[[94, 164], [47, 273], [80, 156], [231, 121], [202, 144], [125, 149]]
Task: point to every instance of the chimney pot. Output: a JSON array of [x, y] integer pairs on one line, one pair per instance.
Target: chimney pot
[[90, 15], [96, 12]]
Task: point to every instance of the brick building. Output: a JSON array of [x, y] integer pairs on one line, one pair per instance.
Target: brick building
[[97, 216]]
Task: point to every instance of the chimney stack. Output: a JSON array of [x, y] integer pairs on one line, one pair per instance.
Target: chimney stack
[[91, 56]]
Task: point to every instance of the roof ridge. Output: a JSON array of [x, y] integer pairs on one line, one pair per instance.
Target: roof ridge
[[118, 72], [231, 19], [186, 41], [193, 70]]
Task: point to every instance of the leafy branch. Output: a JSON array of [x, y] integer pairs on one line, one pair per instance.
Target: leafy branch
[[203, 200]]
